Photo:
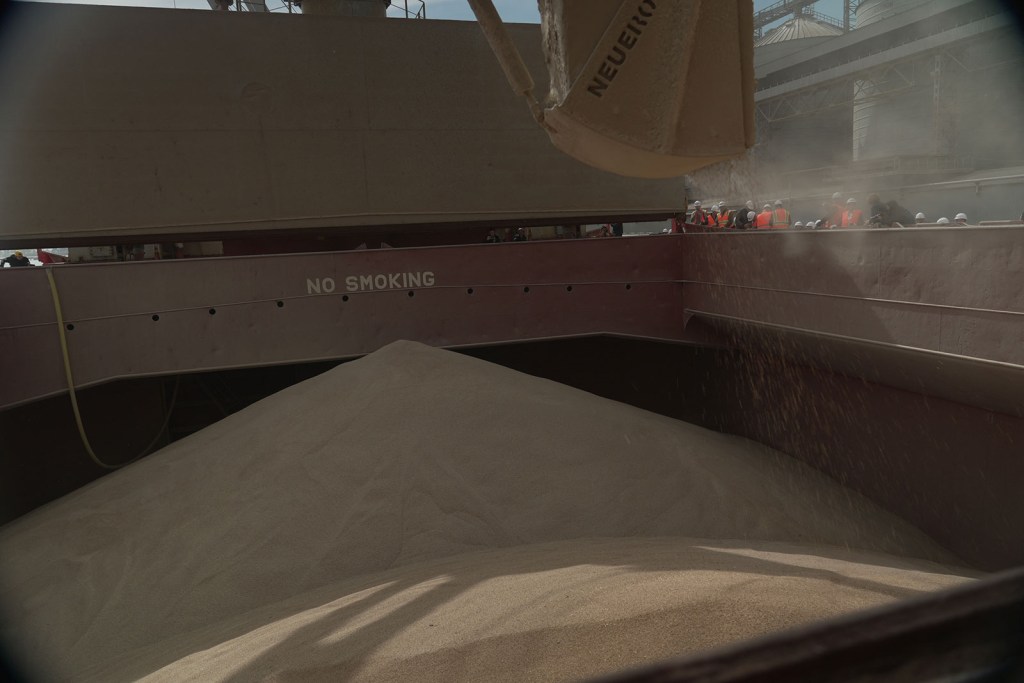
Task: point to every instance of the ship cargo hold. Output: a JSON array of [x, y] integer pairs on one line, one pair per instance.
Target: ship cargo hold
[[290, 193]]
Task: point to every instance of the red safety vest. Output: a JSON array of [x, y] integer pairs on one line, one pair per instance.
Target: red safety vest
[[780, 218], [852, 218], [763, 219]]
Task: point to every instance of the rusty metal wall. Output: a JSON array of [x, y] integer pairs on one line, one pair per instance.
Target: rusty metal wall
[[944, 291], [951, 291], [136, 319]]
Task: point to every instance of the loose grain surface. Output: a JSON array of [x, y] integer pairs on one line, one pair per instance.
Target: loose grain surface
[[419, 514]]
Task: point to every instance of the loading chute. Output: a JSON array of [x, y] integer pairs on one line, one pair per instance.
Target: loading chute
[[642, 88]]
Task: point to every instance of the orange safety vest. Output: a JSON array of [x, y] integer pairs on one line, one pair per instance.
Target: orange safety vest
[[851, 218], [780, 218], [723, 219], [762, 220]]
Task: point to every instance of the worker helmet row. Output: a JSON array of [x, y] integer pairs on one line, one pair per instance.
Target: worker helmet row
[[960, 218]]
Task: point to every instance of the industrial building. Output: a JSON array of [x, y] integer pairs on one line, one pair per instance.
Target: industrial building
[[916, 100]]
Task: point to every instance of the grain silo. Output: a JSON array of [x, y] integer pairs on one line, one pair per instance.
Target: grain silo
[[893, 110], [796, 139]]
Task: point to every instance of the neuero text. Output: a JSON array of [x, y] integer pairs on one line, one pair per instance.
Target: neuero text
[[372, 282], [626, 41]]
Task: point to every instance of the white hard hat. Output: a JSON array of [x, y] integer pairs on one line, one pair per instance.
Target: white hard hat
[[778, 202], [751, 215], [798, 224], [767, 206], [960, 217], [750, 204], [697, 203], [919, 217], [943, 221], [817, 223], [714, 207], [836, 196], [851, 200]]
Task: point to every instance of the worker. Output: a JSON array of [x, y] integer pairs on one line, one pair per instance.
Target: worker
[[698, 217], [898, 215], [960, 219], [740, 220], [827, 216], [919, 218], [492, 237], [780, 218], [763, 220], [16, 260], [837, 209], [853, 216], [942, 221], [724, 216], [711, 218], [878, 213], [678, 224]]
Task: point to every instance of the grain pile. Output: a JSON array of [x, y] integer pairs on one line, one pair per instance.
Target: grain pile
[[418, 511]]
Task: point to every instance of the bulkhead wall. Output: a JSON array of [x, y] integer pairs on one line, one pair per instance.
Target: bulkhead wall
[[136, 121]]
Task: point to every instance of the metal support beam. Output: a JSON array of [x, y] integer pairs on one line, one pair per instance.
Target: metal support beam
[[882, 82], [238, 5], [779, 10], [911, 51]]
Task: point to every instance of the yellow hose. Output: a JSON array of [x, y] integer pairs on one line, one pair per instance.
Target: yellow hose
[[74, 396]]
